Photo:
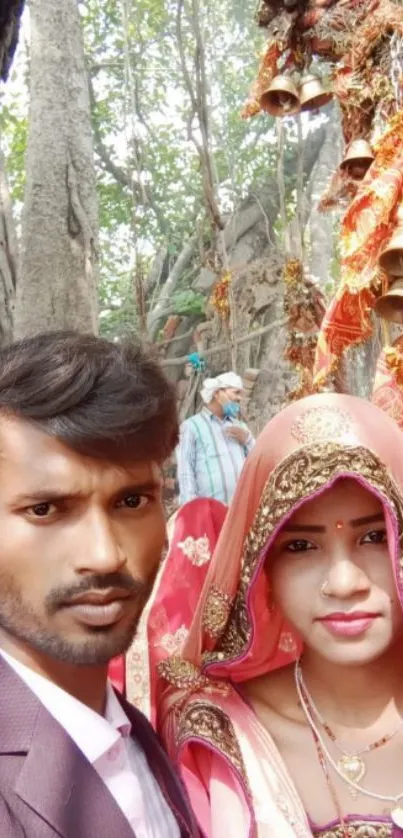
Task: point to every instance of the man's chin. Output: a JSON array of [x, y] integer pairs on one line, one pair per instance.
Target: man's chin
[[97, 648], [102, 647]]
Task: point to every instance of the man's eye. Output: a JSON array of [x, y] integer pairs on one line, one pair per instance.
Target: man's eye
[[134, 501], [375, 537], [41, 510]]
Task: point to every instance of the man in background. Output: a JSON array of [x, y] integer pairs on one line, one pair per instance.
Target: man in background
[[214, 443]]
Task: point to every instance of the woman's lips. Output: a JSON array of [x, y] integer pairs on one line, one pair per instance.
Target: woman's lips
[[349, 625]]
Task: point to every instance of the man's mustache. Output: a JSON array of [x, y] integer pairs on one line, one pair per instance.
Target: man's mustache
[[62, 596]]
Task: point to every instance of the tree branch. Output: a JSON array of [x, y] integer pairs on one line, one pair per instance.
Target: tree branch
[[141, 192], [120, 174], [169, 287], [198, 100], [174, 362]]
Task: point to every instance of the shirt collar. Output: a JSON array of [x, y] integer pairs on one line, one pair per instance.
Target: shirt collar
[[213, 417], [93, 734]]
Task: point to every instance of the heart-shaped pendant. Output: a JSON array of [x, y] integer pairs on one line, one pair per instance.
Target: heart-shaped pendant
[[352, 767], [397, 816]]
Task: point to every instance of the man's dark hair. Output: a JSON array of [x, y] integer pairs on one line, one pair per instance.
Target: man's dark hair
[[102, 399]]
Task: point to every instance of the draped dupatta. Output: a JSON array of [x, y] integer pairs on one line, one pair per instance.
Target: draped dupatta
[[212, 625]]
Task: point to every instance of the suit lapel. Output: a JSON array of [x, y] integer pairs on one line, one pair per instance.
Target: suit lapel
[[58, 783]]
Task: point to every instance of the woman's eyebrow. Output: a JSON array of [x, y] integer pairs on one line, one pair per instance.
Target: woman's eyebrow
[[368, 519], [303, 528]]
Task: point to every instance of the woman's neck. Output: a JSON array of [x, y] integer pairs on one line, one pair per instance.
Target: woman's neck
[[356, 696]]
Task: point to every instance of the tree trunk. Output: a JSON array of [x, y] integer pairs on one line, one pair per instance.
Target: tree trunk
[[321, 226], [8, 259], [57, 287]]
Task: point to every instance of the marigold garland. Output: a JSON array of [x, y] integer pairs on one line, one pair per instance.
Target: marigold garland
[[220, 299], [299, 304]]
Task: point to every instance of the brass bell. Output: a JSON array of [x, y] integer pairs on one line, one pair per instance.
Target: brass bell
[[390, 305], [281, 97], [357, 159], [391, 259], [312, 93]]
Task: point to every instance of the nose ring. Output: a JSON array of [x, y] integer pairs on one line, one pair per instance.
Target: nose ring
[[323, 589]]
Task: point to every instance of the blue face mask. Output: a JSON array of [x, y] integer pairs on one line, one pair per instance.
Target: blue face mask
[[231, 410]]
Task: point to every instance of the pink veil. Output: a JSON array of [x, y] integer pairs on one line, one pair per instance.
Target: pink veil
[[216, 600]]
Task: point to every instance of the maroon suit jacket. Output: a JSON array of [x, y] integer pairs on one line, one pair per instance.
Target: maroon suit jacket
[[48, 788]]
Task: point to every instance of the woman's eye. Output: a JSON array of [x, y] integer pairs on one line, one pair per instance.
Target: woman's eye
[[133, 501], [299, 545], [41, 510], [374, 537]]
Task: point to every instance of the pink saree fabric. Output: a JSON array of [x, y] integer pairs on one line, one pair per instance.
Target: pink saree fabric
[[243, 787]]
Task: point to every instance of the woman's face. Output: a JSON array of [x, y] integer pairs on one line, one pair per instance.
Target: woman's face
[[332, 577]]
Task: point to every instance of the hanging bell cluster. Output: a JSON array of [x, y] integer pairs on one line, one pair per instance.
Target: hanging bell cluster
[[357, 160], [284, 98], [269, 9], [312, 94], [389, 305], [281, 97]]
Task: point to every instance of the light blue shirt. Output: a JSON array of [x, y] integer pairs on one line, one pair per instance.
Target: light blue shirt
[[209, 461]]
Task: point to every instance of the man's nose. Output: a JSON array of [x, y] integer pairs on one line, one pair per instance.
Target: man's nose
[[100, 551]]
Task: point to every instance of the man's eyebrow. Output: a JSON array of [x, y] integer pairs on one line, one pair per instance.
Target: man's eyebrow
[[43, 494]]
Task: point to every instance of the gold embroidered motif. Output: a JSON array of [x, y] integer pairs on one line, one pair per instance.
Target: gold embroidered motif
[[216, 612], [300, 475], [320, 423], [185, 675], [182, 673], [173, 643], [358, 829], [210, 723], [197, 550]]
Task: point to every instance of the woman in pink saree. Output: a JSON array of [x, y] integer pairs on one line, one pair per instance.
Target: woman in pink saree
[[278, 689]]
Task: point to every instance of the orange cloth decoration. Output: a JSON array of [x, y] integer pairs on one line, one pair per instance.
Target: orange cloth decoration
[[367, 227]]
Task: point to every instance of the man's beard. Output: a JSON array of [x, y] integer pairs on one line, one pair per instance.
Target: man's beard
[[20, 621]]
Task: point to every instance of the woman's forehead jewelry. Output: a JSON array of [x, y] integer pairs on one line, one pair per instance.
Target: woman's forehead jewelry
[[323, 590], [339, 525]]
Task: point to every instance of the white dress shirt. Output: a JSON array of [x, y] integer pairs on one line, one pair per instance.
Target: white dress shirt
[[106, 743]]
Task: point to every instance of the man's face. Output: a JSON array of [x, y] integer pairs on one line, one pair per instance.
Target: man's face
[[233, 394], [230, 394], [81, 540]]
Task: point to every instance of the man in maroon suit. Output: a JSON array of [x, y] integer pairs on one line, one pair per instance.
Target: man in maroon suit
[[84, 427]]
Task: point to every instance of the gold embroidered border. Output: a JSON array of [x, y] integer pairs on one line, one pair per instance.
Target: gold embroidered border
[[182, 673], [216, 612], [300, 475], [210, 723], [358, 829]]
